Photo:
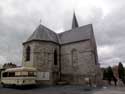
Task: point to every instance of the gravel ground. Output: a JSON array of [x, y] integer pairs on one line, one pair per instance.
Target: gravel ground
[[67, 89]]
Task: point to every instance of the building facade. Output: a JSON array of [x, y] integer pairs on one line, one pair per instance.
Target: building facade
[[70, 56]]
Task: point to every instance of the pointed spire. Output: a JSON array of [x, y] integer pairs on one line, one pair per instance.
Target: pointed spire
[[74, 22]]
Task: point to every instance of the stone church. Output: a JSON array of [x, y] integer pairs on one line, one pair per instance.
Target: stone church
[[70, 56]]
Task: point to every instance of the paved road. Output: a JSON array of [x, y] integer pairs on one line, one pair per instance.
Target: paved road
[[62, 90], [111, 90], [67, 89]]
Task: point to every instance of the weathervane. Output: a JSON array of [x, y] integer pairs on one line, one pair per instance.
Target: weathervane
[[73, 9], [40, 21]]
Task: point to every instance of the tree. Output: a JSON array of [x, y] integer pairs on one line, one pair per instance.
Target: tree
[[121, 72], [110, 74], [105, 74]]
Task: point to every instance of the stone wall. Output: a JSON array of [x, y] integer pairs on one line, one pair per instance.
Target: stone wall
[[85, 65], [42, 58], [77, 61]]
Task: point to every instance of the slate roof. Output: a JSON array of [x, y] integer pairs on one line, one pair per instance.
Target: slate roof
[[73, 35], [43, 33], [77, 34]]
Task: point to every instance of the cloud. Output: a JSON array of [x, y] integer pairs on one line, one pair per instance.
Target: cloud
[[110, 32], [2, 60], [106, 52], [19, 18]]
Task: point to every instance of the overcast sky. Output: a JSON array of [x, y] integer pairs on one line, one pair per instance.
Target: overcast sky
[[19, 18]]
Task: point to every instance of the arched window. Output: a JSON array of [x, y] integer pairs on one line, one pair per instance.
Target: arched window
[[74, 57], [55, 57], [28, 53]]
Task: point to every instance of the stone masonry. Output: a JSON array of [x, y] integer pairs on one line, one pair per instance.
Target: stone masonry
[[70, 56]]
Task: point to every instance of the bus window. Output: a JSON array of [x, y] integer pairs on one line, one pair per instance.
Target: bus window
[[17, 74], [24, 73], [5, 74], [11, 74], [31, 73]]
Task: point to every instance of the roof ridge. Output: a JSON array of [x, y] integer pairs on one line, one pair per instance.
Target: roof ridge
[[75, 28]]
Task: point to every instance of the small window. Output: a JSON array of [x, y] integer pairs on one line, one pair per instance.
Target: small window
[[74, 57], [55, 57], [28, 53]]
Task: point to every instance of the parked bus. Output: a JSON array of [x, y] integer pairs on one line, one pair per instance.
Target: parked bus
[[18, 76]]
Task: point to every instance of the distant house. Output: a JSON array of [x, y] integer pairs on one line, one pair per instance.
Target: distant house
[[1, 69], [115, 71], [9, 65]]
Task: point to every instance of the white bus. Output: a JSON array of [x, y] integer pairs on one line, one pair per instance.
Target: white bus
[[18, 76]]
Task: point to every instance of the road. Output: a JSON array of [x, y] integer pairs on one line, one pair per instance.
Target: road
[[67, 89]]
